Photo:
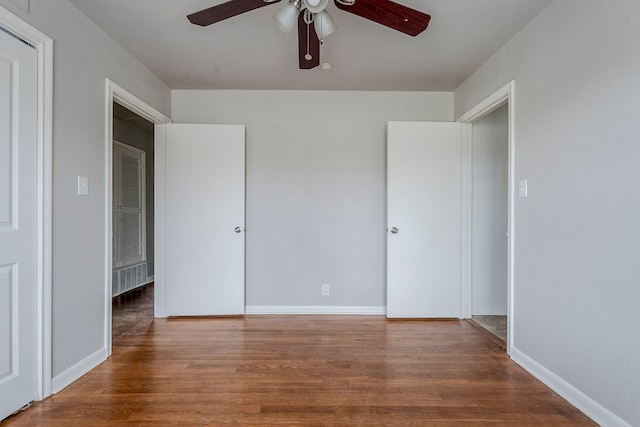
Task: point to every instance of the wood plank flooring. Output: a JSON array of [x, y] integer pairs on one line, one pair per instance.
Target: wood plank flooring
[[300, 371]]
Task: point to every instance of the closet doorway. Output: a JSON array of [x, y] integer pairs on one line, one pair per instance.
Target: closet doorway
[[132, 218], [488, 214], [489, 223]]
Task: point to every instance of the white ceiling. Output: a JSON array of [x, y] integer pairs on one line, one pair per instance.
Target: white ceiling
[[249, 51]]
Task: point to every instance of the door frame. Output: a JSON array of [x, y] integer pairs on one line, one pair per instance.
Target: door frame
[[115, 93], [43, 45], [504, 95]]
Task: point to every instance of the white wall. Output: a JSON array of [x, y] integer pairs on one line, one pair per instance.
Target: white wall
[[83, 57], [489, 220], [315, 187], [577, 235]]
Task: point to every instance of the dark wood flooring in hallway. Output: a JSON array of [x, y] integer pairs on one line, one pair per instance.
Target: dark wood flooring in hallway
[[300, 371]]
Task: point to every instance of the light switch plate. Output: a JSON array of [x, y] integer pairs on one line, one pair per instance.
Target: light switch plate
[[22, 4], [83, 186], [523, 190]]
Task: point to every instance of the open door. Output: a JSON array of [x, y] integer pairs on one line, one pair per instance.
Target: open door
[[204, 222], [424, 184]]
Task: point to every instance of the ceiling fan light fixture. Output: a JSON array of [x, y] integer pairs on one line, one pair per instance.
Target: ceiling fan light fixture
[[323, 24], [385, 12], [315, 6], [287, 16]]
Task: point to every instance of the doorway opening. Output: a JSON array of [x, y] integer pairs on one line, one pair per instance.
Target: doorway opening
[[489, 221], [488, 234], [116, 95], [132, 214]]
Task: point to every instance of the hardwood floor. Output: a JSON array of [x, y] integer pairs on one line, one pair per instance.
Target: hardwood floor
[[301, 371]]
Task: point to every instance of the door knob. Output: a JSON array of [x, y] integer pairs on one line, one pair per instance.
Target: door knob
[[394, 230], [237, 229]]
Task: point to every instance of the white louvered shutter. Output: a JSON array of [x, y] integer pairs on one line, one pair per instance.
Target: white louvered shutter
[[128, 209]]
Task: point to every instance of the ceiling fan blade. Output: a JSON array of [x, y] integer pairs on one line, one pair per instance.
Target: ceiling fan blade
[[308, 44], [226, 10], [390, 14]]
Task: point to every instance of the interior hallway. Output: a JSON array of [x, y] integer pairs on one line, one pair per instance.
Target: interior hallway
[[131, 313]]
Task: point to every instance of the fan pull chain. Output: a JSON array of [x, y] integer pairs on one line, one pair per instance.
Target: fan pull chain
[[308, 56], [308, 19]]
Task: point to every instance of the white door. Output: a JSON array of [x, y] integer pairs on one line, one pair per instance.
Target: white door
[[18, 286], [204, 229], [424, 184]]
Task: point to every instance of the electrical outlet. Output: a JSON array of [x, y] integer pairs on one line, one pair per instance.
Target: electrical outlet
[[326, 290], [22, 4]]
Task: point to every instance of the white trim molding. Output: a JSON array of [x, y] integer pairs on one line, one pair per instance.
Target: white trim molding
[[115, 93], [70, 375], [591, 408], [466, 224], [44, 48], [504, 95], [317, 309], [159, 140]]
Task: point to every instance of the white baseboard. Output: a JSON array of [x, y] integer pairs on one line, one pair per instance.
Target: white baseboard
[[316, 309], [65, 378], [591, 408]]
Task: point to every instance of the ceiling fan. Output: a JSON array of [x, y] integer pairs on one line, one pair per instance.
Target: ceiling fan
[[315, 23]]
